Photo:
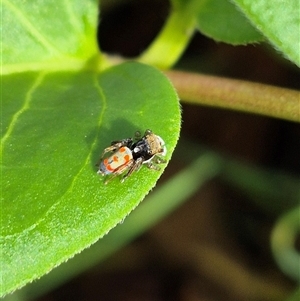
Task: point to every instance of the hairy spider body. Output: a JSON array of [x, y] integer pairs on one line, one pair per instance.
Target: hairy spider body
[[128, 155]]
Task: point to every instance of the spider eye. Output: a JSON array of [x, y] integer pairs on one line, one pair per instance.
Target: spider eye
[[148, 132], [137, 135]]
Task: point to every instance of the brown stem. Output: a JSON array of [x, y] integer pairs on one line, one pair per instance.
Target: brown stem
[[237, 95]]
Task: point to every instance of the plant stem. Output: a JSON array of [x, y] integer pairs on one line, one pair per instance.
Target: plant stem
[[237, 95], [283, 238], [167, 48]]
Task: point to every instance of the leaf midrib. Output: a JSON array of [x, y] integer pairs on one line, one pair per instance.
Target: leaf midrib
[[32, 29]]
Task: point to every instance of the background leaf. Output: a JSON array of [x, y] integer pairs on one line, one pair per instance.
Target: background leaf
[[39, 34], [279, 21], [223, 22], [54, 203]]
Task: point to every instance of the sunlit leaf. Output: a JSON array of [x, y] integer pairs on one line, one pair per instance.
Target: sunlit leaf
[[279, 22], [45, 32], [54, 203], [58, 113], [222, 21]]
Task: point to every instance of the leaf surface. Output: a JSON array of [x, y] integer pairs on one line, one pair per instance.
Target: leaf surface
[[46, 32], [222, 21], [58, 113], [279, 22], [56, 126]]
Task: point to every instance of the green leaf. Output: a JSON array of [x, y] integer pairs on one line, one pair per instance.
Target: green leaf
[[279, 21], [46, 35], [56, 126], [220, 20], [57, 117], [174, 191]]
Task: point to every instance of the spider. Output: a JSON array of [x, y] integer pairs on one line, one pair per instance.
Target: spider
[[128, 155]]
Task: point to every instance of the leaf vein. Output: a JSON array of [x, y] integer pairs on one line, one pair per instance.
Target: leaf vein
[[31, 28], [88, 158], [25, 107], [101, 116], [73, 18]]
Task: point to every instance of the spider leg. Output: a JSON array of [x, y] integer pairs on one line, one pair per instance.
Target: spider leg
[[135, 166], [155, 160], [119, 171], [115, 145], [158, 160], [111, 148], [123, 142], [152, 166], [137, 135]]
